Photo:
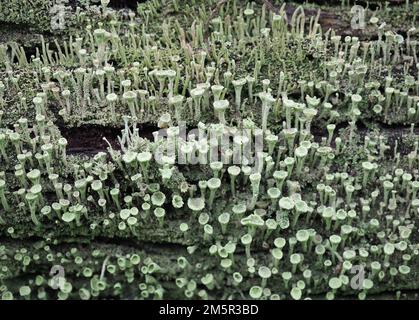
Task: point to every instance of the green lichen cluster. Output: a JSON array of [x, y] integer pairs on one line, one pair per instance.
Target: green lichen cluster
[[334, 187], [43, 15], [33, 12]]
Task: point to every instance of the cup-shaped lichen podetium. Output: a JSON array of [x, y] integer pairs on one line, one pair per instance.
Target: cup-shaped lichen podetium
[[300, 154], [286, 204], [3, 199], [267, 102], [300, 208], [256, 292], [255, 179], [295, 259], [144, 159], [158, 198], [303, 237], [265, 273], [252, 222], [238, 86], [197, 94], [213, 184], [220, 107], [233, 172], [196, 205], [177, 103], [274, 194], [224, 219]]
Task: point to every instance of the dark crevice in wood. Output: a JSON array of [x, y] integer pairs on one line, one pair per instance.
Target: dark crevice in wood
[[125, 4], [372, 4], [114, 4], [86, 242], [328, 18], [21, 33], [89, 139], [393, 133]]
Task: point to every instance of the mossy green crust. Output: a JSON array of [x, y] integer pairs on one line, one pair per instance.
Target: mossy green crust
[[27, 12]]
